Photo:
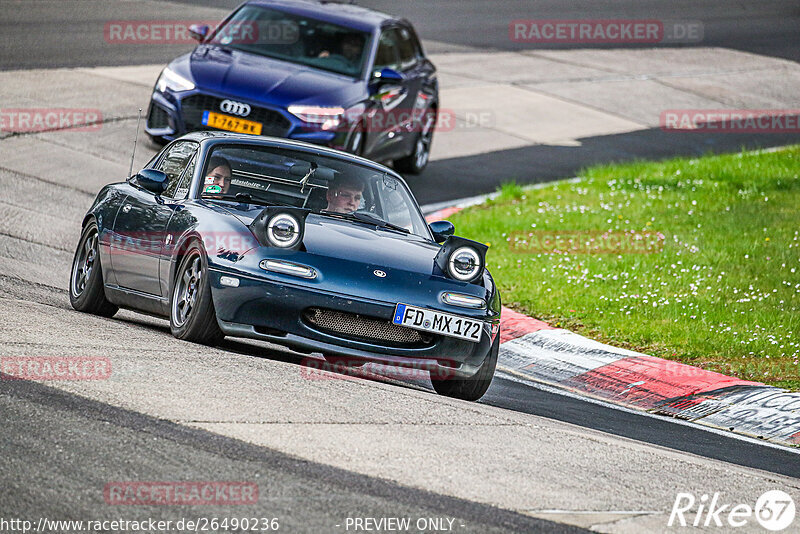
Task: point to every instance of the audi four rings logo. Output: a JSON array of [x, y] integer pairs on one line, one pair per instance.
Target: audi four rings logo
[[379, 273], [237, 108]]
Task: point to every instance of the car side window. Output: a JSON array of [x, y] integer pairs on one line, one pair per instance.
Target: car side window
[[387, 56], [416, 44], [185, 181], [174, 162], [408, 52]]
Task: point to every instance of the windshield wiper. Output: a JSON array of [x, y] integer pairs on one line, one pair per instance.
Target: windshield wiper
[[367, 218]]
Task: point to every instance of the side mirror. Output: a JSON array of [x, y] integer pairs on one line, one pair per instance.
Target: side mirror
[[152, 180], [442, 230], [199, 32], [387, 76]]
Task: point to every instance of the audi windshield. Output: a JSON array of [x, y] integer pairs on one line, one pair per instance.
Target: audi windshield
[[297, 39]]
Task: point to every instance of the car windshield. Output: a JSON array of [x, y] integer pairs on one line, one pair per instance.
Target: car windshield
[[328, 186], [295, 38]]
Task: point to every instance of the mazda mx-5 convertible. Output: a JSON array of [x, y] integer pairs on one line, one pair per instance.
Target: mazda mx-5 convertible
[[296, 244]]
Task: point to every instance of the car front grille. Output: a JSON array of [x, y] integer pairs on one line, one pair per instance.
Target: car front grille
[[273, 123], [364, 328], [157, 118]]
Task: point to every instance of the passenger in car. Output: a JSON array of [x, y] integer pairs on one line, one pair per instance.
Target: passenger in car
[[345, 194], [218, 179]]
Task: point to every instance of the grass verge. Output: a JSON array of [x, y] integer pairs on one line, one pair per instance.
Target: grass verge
[[695, 260]]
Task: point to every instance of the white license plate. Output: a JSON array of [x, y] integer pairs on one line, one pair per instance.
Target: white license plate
[[437, 322]]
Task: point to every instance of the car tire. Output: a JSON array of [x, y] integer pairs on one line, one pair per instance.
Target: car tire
[[472, 388], [192, 316], [86, 290], [416, 162]]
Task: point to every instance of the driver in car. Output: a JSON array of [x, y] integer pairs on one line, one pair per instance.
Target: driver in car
[[345, 194], [351, 46], [218, 179]]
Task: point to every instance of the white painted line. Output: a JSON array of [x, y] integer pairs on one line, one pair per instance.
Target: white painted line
[[592, 512]]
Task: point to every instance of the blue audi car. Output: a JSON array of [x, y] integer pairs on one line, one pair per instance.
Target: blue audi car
[[332, 74]]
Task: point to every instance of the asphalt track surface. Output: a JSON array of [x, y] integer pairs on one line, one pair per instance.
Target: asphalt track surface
[[55, 465], [63, 33], [53, 469]]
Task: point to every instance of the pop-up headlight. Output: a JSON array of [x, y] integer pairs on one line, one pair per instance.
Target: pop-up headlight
[[280, 227], [462, 259]]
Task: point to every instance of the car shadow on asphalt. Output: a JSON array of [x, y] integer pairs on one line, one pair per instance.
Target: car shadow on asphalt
[[312, 366]]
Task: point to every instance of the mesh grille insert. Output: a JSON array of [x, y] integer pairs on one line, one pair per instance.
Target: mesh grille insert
[[360, 327], [158, 117], [193, 107]]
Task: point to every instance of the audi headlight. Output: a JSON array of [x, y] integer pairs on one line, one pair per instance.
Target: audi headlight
[[280, 227], [328, 118], [169, 79], [461, 259]]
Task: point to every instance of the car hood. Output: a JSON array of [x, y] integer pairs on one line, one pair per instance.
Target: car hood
[[353, 241], [367, 244], [256, 78]]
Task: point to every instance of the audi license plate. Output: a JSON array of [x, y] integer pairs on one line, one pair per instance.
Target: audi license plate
[[232, 124], [437, 322]]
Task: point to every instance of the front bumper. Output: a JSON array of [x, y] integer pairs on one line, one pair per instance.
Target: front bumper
[[168, 117], [274, 311]]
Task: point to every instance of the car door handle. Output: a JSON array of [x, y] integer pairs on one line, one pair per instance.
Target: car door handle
[[126, 208]]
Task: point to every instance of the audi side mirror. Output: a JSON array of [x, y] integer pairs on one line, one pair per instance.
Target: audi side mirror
[[199, 32], [387, 76]]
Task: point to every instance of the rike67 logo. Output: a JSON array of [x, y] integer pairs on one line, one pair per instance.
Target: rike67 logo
[[774, 510]]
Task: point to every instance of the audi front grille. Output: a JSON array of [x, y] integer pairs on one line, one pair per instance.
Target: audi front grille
[[192, 108]]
